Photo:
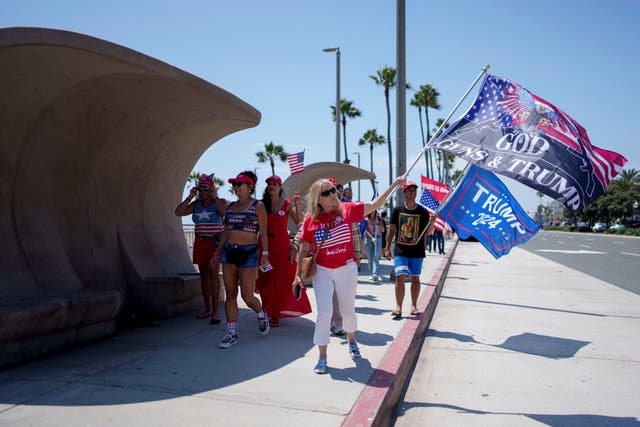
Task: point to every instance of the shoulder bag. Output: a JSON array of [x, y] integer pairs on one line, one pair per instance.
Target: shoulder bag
[[308, 266]]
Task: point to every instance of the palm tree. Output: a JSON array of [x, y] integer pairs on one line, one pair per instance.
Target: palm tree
[[194, 177], [346, 110], [372, 138], [628, 178], [271, 153], [430, 98], [444, 159], [418, 102], [386, 77]]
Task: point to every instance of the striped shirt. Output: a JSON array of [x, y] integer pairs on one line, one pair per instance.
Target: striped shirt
[[208, 221]]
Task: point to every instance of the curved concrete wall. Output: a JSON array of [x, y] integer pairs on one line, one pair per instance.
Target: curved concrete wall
[[96, 143]]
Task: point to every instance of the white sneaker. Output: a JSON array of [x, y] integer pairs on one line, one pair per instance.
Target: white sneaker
[[263, 325], [228, 341], [321, 367]]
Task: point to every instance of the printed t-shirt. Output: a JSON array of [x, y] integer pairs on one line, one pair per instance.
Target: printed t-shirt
[[337, 249], [409, 226]]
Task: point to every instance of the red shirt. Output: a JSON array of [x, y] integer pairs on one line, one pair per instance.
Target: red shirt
[[337, 249]]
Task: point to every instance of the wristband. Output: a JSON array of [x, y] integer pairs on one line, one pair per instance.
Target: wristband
[[265, 252]]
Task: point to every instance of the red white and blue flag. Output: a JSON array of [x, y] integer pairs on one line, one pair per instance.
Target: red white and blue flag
[[338, 235], [296, 162], [432, 193], [511, 131]]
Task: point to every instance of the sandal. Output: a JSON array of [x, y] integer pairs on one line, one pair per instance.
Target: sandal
[[214, 320], [203, 315], [396, 314], [414, 311]]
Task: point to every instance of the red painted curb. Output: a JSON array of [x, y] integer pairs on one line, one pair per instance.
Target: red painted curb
[[376, 404]]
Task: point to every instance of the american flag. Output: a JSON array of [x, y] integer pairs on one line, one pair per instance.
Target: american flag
[[515, 106], [338, 235], [296, 162], [430, 202]]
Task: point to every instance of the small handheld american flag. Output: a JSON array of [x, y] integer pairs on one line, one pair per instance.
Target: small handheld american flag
[[296, 162], [430, 202]]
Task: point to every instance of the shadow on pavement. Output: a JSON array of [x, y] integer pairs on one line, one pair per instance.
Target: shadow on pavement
[[526, 306], [528, 343], [180, 357], [555, 420]]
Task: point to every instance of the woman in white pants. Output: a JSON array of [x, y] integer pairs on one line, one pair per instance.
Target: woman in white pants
[[337, 269]]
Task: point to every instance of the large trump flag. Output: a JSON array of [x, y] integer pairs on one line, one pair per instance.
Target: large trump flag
[[513, 132], [482, 207]]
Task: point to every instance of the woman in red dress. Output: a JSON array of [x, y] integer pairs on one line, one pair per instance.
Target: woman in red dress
[[274, 286]]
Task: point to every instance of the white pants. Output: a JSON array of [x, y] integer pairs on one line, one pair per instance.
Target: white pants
[[344, 280]]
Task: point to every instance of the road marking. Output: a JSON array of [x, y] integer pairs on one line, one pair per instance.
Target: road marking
[[591, 240], [585, 246], [566, 251], [629, 253], [618, 243]]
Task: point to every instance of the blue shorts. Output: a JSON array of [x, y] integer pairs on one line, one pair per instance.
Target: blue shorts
[[408, 266], [242, 256]]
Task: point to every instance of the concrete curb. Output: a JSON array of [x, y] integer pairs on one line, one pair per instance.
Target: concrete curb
[[376, 404]]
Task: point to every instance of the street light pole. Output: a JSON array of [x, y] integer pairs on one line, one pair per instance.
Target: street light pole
[[358, 154], [337, 51]]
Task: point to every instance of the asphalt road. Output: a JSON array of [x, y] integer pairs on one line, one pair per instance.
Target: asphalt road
[[614, 259]]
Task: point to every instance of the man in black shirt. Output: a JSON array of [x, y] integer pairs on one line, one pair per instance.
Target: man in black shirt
[[407, 226]]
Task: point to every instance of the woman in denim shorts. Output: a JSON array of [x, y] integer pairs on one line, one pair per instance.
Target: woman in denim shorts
[[245, 222]]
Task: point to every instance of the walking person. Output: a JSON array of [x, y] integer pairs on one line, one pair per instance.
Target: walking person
[[207, 213], [406, 226], [373, 243], [274, 286], [328, 232], [245, 222]]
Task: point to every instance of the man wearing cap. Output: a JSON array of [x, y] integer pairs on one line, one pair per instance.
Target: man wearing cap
[[410, 224]]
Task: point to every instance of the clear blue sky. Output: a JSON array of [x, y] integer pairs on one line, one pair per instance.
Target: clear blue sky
[[582, 57]]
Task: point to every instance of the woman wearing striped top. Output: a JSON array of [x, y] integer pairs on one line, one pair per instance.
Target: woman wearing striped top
[[207, 213]]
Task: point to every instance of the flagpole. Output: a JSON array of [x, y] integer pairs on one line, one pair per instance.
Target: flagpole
[[455, 186], [451, 191], [426, 147]]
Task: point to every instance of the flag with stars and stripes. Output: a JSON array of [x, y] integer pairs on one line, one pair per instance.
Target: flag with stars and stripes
[[296, 162], [429, 201], [482, 207], [511, 131]]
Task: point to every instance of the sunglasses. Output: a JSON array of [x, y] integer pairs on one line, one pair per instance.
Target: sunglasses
[[326, 193], [238, 184], [204, 189]]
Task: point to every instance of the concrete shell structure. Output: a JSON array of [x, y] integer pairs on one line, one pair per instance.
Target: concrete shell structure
[[96, 143]]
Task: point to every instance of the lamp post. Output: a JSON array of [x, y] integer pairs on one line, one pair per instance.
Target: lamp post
[[337, 51], [358, 154]]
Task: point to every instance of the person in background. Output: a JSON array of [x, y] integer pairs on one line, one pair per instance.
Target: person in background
[[328, 218], [245, 222], [439, 239], [406, 226], [274, 286], [207, 213], [373, 243], [385, 223]]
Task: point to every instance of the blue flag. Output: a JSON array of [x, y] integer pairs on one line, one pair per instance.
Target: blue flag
[[482, 207]]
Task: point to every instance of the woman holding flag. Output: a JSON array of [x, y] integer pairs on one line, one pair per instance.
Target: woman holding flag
[[327, 231]]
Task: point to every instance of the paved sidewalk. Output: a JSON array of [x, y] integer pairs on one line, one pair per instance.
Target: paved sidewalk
[[175, 374], [524, 341]]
